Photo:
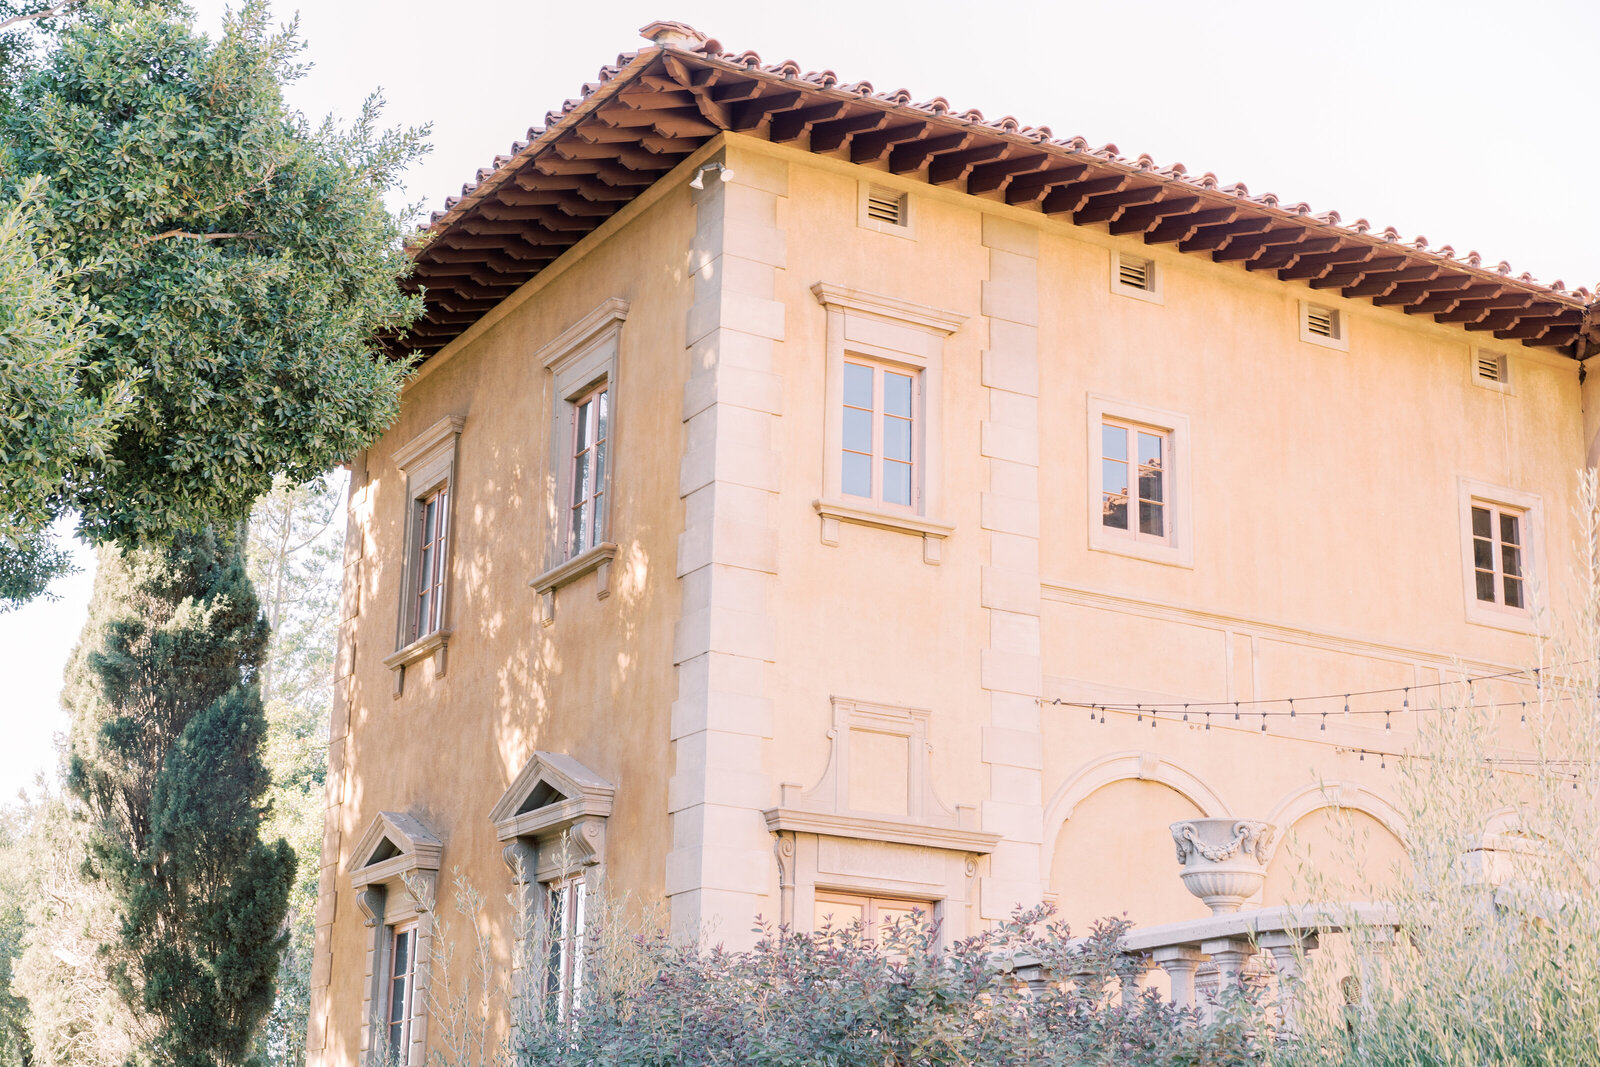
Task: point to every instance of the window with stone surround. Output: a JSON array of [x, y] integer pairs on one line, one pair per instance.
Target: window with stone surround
[[400, 973], [428, 464], [873, 914], [565, 900], [882, 420], [1139, 502], [582, 363]]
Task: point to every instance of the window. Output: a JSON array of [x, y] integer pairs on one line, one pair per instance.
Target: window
[[565, 914], [1133, 480], [1497, 556], [582, 362], [881, 461], [878, 456], [398, 997], [432, 523], [586, 528], [428, 465], [1139, 482], [1501, 533], [1136, 276], [875, 915], [1323, 325]]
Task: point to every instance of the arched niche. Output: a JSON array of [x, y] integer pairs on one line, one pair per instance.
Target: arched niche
[[1337, 839]]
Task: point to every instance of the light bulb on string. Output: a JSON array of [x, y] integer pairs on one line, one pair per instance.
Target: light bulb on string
[[1347, 705], [1324, 725], [1263, 722], [1139, 710], [1524, 714], [1236, 709], [1385, 722], [1208, 720], [1186, 713], [1291, 708], [1405, 702]]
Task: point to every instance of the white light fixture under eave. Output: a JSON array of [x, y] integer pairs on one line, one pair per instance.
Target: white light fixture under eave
[[699, 180]]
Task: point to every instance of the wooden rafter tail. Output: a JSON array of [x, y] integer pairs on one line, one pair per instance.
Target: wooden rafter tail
[[1139, 218], [1110, 206], [792, 125], [831, 136], [908, 157], [872, 147], [1304, 267], [992, 177], [948, 167], [1065, 199], [1032, 188], [1211, 238], [1184, 227], [1274, 257]]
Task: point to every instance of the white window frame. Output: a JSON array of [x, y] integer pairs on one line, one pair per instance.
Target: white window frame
[[1153, 295], [1340, 341], [581, 535], [398, 1053], [1177, 547], [889, 332], [868, 900], [566, 943], [1529, 508], [580, 361], [428, 463], [918, 419], [866, 222]]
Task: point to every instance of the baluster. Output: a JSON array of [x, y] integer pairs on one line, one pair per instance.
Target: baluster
[[1180, 962]]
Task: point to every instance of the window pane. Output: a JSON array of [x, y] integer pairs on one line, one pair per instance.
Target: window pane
[[599, 467], [896, 394], [1511, 561], [1482, 554], [1480, 522], [1113, 477], [857, 430], [1113, 442], [580, 520], [1151, 519], [402, 952], [1149, 449], [857, 385], [603, 402], [897, 439], [1513, 592], [1486, 586], [857, 474], [896, 483], [1114, 511], [1508, 530], [837, 914], [1150, 484]]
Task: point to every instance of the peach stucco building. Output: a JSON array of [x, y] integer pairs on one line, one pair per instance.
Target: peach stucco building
[[814, 502]]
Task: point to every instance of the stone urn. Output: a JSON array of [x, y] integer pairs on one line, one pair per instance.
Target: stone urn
[[1224, 860]]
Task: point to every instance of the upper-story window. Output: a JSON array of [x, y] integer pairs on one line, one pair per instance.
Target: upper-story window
[[881, 439], [1497, 555], [582, 362], [432, 526], [878, 456], [1139, 502], [428, 464], [399, 992], [590, 418], [1133, 480], [1501, 535]]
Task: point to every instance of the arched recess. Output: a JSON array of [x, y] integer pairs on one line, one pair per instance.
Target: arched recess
[[1115, 767], [1108, 844], [394, 870], [1318, 826]]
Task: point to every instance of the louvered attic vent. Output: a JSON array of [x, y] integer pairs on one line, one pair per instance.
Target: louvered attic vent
[[1324, 322], [886, 206], [1491, 368], [1136, 273]]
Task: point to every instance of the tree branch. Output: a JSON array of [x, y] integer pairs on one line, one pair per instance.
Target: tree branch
[[47, 13], [196, 236]]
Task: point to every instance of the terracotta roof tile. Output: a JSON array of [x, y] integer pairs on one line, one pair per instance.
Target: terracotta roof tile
[[1558, 316]]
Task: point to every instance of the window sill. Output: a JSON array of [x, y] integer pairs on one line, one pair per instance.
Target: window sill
[[933, 533], [1519, 622], [436, 644], [1167, 555], [597, 559]]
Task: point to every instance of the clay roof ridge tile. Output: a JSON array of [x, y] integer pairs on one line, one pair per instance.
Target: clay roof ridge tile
[[859, 88]]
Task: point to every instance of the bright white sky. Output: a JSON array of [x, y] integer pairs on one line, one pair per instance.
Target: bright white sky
[[1462, 120]]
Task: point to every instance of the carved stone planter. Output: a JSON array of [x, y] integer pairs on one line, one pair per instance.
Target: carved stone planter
[[1224, 860]]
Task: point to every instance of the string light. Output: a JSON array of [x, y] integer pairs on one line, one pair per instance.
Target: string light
[[1291, 708]]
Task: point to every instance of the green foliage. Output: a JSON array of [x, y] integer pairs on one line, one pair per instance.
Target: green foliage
[[294, 559], [235, 261], [74, 1016], [51, 419], [165, 757]]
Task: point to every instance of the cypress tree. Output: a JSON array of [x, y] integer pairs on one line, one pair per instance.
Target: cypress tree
[[165, 760]]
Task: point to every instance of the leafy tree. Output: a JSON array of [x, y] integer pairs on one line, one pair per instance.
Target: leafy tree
[[165, 758], [237, 261], [294, 558]]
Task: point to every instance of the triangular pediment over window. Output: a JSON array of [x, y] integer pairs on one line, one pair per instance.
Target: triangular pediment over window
[[393, 844], [551, 793]]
